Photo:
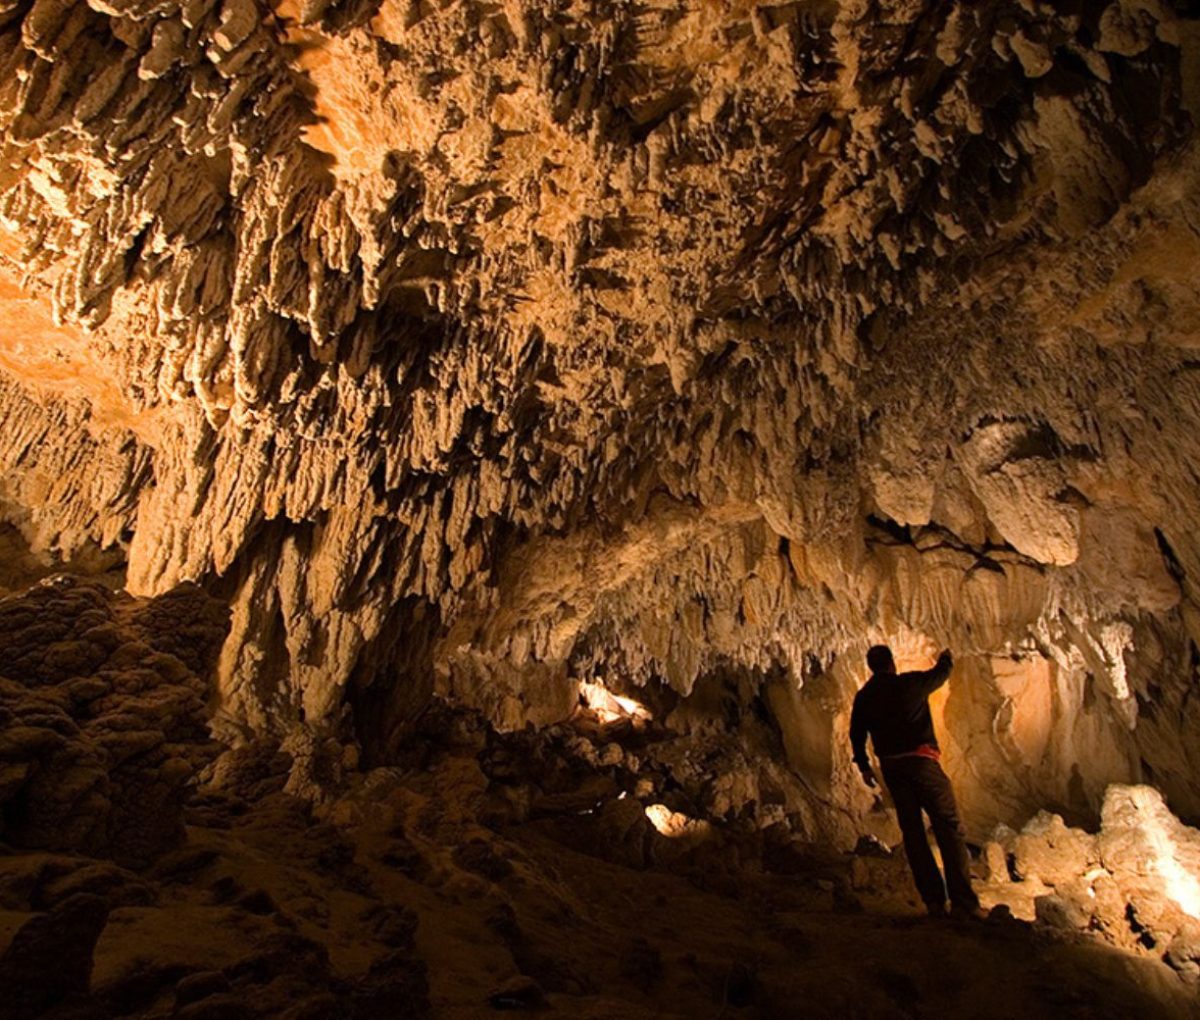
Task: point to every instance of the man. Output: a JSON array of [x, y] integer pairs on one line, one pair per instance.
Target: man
[[894, 710]]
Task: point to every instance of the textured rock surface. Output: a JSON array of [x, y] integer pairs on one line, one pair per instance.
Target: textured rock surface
[[496, 347], [103, 716], [1133, 883]]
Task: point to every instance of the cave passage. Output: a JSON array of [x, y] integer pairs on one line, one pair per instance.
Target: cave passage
[[455, 458]]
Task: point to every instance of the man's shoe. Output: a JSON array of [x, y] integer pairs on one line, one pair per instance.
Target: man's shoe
[[960, 912], [936, 910]]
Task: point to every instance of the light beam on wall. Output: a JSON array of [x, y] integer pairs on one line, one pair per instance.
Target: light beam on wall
[[608, 706]]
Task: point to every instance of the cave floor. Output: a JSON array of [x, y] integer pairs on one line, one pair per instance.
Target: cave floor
[[401, 902]]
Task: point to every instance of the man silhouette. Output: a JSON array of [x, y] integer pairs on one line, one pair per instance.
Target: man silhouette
[[894, 710]]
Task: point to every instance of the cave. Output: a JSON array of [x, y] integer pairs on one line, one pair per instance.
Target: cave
[[455, 457]]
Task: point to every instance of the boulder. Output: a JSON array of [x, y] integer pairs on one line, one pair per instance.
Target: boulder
[[1062, 912], [1050, 851], [49, 959]]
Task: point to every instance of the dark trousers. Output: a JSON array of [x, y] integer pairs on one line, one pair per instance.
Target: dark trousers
[[919, 784]]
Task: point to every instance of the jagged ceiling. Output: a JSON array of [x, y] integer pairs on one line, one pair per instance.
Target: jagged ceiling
[[493, 344]]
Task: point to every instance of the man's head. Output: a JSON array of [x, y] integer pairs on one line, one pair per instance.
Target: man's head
[[879, 658]]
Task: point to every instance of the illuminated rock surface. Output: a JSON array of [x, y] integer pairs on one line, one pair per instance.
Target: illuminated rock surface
[[1134, 882], [498, 350], [650, 340]]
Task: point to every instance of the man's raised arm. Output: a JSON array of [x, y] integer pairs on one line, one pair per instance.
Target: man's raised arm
[[932, 679]]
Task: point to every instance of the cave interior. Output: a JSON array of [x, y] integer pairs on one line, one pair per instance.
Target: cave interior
[[455, 456]]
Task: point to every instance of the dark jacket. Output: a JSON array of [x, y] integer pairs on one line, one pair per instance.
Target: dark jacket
[[894, 709]]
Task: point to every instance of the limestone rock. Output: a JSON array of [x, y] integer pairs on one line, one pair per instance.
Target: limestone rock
[[1133, 883], [490, 351], [1050, 851], [103, 702], [1183, 953], [1061, 912], [1148, 850], [995, 861]]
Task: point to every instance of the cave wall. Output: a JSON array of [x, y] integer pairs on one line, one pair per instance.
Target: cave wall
[[627, 341]]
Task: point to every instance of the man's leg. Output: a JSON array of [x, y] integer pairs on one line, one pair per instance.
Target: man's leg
[[936, 796], [916, 846]]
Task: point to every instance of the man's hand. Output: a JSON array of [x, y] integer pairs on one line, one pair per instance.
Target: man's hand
[[868, 775]]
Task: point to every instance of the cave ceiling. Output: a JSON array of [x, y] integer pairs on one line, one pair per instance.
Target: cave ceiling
[[475, 341]]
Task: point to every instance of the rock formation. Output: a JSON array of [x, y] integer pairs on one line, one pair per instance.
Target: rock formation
[[103, 716], [608, 866], [500, 351], [1133, 882]]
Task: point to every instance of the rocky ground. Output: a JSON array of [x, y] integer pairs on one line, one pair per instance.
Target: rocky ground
[[569, 870], [411, 904]]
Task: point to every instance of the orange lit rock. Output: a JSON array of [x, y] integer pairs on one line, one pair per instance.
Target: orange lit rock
[[482, 349]]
